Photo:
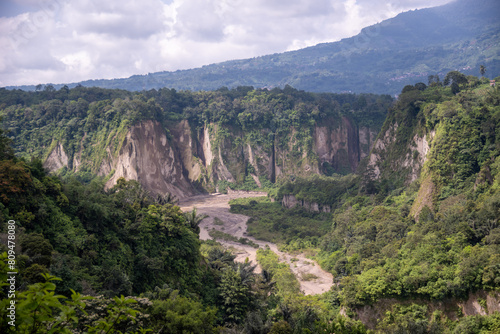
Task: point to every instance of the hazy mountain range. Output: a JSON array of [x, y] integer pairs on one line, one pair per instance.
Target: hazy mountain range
[[406, 49]]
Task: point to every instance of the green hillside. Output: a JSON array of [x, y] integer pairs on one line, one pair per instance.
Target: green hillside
[[406, 252], [408, 248]]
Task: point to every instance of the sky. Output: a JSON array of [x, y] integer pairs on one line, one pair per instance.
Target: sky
[[65, 41]]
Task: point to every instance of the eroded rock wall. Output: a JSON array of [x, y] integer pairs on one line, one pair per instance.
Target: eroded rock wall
[[148, 156], [477, 303], [56, 159], [290, 201], [176, 158]]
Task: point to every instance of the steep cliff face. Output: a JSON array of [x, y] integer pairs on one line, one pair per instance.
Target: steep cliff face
[[146, 155], [452, 308], [56, 159], [149, 157], [333, 147], [340, 148], [290, 201], [401, 156], [404, 157], [176, 158]]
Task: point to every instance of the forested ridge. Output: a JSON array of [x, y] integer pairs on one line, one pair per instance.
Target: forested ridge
[[91, 123], [129, 261]]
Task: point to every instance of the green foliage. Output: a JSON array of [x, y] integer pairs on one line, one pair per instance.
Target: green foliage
[[193, 220], [343, 325], [408, 319], [286, 282], [373, 245], [122, 241], [235, 296], [281, 327], [271, 222], [179, 314], [87, 127], [40, 310], [478, 325], [114, 242], [319, 189]]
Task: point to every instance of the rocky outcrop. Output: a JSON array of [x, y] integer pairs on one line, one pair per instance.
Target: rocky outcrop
[[379, 148], [290, 201], [56, 159], [409, 163], [187, 150], [148, 157], [478, 303], [367, 138], [415, 160]]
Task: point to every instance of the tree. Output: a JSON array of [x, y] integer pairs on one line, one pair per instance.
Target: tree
[[182, 315], [420, 86], [234, 295], [49, 88], [455, 77], [37, 248], [193, 220], [434, 80], [167, 198], [281, 327], [14, 180], [482, 70], [219, 258], [407, 89], [6, 151]]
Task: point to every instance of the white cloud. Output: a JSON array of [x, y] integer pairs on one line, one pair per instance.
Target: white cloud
[[69, 41]]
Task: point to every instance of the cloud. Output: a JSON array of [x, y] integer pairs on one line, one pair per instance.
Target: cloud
[[68, 41], [117, 19]]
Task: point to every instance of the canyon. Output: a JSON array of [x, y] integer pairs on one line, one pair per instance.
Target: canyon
[[185, 160]]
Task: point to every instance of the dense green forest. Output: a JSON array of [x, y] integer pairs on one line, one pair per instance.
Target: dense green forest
[[121, 260], [81, 249], [105, 244], [89, 121], [374, 241]]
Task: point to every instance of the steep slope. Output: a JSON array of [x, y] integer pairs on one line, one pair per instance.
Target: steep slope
[[414, 238], [182, 143], [442, 141], [461, 35]]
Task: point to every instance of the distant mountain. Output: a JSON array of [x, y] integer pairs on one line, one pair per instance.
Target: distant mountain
[[461, 35]]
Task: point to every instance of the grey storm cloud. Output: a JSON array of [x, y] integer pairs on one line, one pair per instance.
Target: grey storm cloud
[[66, 41]]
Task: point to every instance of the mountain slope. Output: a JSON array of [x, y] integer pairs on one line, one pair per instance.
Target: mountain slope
[[177, 141], [383, 58], [419, 228]]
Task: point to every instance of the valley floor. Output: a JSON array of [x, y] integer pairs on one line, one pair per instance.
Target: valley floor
[[312, 279]]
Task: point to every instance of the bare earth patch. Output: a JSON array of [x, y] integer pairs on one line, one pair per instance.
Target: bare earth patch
[[313, 280]]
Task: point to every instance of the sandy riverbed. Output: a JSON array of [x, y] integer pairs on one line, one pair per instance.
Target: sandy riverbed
[[217, 205]]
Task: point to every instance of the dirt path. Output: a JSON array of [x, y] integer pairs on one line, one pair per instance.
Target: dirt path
[[217, 205]]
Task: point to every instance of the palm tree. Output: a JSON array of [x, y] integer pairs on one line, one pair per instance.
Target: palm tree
[[193, 220], [168, 198], [245, 270], [219, 258]]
